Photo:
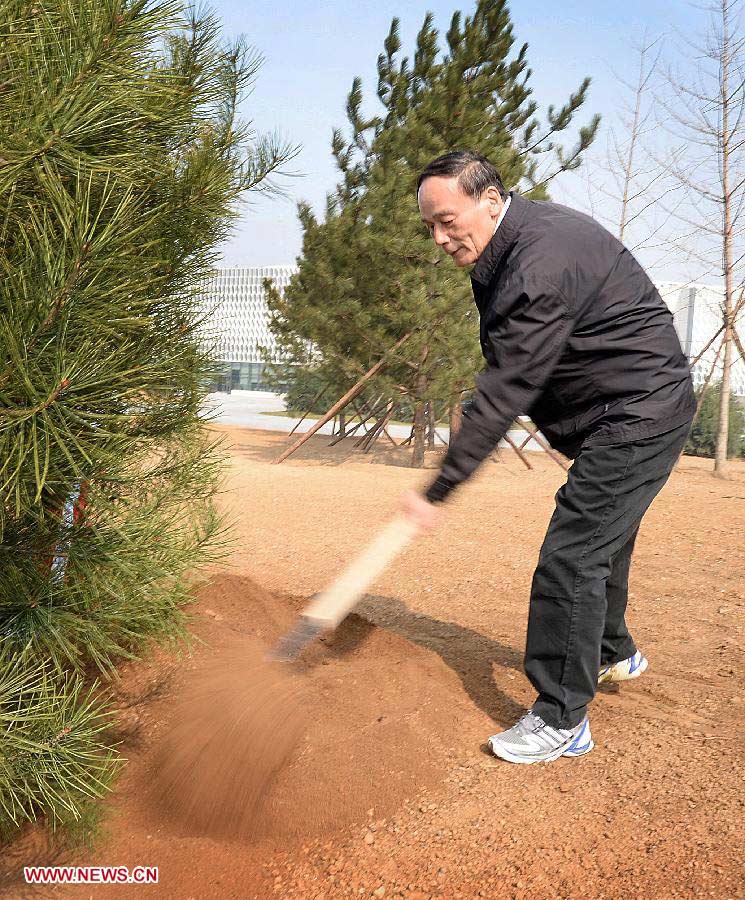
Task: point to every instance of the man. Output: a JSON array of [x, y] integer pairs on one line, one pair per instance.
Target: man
[[576, 336]]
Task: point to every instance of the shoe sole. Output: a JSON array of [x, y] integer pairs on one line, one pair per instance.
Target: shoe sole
[[575, 753], [505, 754], [615, 679]]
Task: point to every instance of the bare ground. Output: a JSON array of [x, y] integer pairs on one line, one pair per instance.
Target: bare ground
[[390, 791]]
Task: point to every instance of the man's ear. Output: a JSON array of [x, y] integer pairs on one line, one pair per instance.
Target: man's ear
[[495, 200]]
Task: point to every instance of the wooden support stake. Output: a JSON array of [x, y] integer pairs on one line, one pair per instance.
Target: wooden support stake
[[388, 435], [385, 426], [350, 431], [360, 413], [537, 437], [372, 435], [409, 439], [375, 433], [518, 451], [347, 434], [353, 392], [376, 409], [307, 412], [360, 424]]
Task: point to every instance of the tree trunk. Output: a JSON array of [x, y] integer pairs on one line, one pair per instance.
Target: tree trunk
[[417, 457], [430, 425], [342, 423], [456, 411], [720, 453]]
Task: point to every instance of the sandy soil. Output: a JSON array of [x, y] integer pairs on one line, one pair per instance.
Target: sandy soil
[[390, 791]]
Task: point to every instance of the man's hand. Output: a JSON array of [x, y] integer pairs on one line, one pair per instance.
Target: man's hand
[[419, 511]]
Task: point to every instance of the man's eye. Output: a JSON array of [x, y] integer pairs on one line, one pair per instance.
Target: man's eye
[[447, 221]]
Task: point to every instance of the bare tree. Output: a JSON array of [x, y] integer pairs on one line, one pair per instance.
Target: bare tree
[[626, 158], [626, 182], [704, 116]]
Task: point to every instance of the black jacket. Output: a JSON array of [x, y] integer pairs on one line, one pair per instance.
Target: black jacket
[[575, 335]]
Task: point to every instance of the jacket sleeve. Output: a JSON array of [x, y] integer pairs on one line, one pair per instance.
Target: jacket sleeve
[[526, 340]]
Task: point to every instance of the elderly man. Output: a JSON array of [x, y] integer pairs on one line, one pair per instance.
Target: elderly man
[[576, 336]]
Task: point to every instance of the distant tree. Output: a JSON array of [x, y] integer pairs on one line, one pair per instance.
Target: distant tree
[[628, 187], [703, 437], [369, 272], [306, 390], [706, 118]]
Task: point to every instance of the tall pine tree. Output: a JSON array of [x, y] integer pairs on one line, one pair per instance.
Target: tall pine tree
[[369, 273], [121, 159]]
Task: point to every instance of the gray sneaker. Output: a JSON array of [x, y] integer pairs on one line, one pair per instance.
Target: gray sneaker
[[532, 740]]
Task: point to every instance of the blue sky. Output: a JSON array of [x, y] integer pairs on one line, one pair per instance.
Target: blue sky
[[313, 50]]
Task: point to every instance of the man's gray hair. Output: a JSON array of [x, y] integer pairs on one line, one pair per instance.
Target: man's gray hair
[[474, 172]]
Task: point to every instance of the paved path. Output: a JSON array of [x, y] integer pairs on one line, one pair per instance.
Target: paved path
[[248, 409]]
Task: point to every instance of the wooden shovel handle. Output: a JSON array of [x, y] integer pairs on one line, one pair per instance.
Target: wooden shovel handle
[[330, 606]]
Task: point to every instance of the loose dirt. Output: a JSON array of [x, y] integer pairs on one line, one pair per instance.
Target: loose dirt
[[388, 789], [236, 725]]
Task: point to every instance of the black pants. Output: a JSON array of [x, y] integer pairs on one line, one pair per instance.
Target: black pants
[[580, 587]]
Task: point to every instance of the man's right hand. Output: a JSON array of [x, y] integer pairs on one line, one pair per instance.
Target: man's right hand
[[419, 511]]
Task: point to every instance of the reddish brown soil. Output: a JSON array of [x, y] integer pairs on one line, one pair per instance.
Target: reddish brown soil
[[389, 791]]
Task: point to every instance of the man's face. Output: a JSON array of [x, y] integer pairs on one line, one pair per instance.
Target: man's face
[[459, 224]]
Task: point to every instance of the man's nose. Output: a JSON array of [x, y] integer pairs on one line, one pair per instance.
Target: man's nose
[[439, 235]]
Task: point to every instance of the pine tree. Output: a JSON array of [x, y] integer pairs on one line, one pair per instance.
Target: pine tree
[[369, 273], [121, 159], [703, 438]]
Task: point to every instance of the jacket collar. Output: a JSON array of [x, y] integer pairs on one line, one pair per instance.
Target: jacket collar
[[486, 265]]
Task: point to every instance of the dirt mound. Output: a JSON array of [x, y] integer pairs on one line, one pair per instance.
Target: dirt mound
[[364, 720], [305, 755], [356, 724]]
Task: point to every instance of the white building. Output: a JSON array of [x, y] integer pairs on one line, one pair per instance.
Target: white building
[[239, 321], [697, 313]]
